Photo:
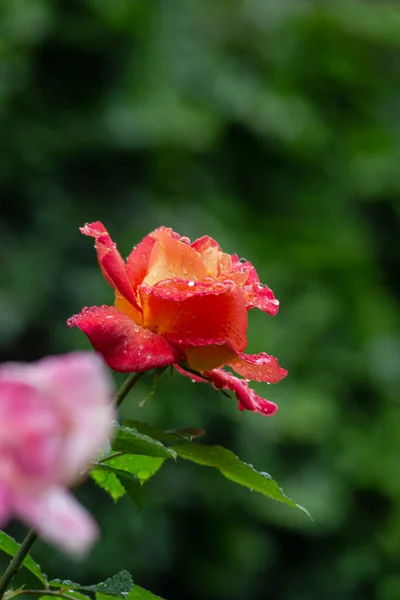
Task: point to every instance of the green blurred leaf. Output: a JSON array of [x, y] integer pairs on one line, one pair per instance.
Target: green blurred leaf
[[168, 438], [117, 586], [11, 547], [233, 468], [130, 440]]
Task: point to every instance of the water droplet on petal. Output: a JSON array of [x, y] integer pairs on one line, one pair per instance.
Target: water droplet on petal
[[185, 240], [243, 260], [219, 287], [191, 283], [193, 380], [184, 271]]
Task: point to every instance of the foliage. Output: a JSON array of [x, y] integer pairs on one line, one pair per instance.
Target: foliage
[[272, 126]]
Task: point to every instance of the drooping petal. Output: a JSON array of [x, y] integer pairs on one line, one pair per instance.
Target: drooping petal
[[172, 258], [258, 367], [58, 518], [125, 346], [83, 388], [196, 310], [110, 261], [247, 397]]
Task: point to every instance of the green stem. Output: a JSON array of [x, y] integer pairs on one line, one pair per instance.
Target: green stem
[[16, 562], [126, 388]]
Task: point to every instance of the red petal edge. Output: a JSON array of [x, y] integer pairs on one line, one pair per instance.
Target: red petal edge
[[247, 398], [125, 346], [110, 261]]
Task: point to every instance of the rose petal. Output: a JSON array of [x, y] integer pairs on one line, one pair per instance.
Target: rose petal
[[248, 399], [172, 258], [84, 391], [258, 367], [110, 261], [256, 295], [196, 310], [60, 519], [125, 346], [209, 251], [255, 367], [137, 262], [5, 505], [203, 354]]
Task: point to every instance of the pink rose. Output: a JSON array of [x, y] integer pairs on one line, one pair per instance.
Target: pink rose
[[55, 416]]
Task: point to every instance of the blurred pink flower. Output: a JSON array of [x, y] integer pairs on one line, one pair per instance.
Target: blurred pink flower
[[55, 416]]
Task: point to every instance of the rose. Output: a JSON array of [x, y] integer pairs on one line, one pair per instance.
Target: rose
[[184, 304], [55, 415]]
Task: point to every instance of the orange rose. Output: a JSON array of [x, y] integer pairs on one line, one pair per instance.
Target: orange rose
[[183, 304]]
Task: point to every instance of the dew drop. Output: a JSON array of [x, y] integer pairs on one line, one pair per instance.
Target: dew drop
[[190, 283], [184, 271], [185, 240], [193, 380], [243, 260], [219, 287]]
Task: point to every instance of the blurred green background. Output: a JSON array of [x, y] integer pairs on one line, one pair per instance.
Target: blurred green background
[[273, 126]]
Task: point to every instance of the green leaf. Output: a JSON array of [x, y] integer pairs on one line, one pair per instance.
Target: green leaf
[[11, 547], [117, 586], [168, 438], [225, 461], [130, 440], [130, 482], [143, 467], [139, 593], [136, 593]]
